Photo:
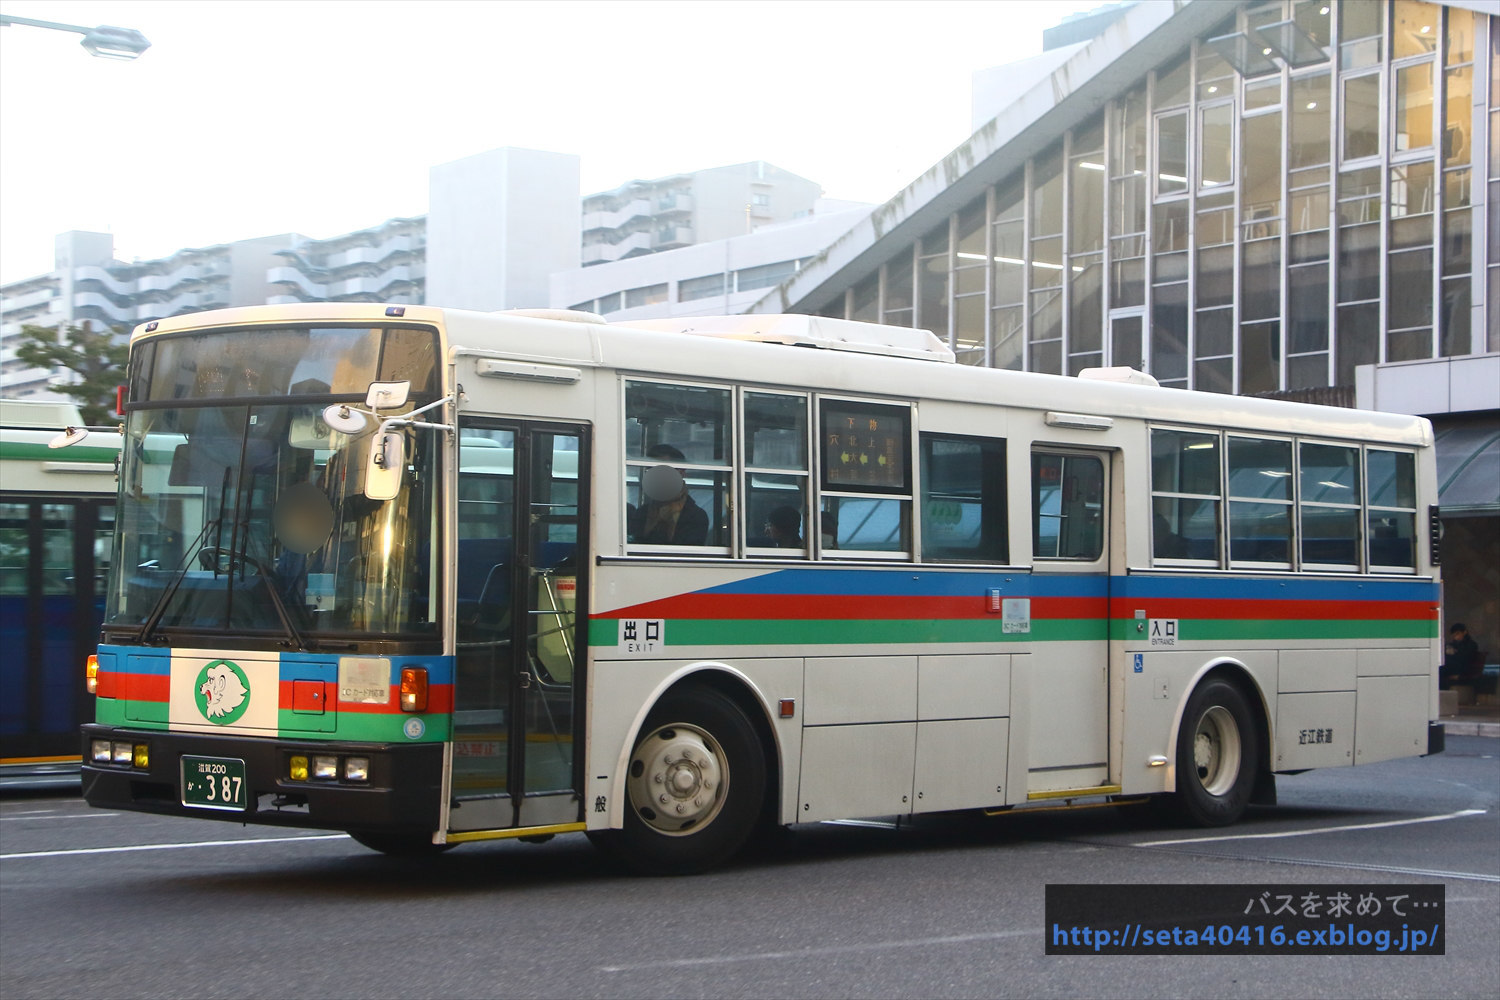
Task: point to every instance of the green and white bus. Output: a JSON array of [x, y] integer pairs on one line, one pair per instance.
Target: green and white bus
[[56, 526], [432, 576]]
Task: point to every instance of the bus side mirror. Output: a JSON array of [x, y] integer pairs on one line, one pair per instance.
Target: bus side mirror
[[384, 466]]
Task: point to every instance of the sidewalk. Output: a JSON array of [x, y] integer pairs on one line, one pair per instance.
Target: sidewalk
[[1473, 720]]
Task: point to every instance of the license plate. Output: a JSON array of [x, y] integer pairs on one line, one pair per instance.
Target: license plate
[[214, 783]]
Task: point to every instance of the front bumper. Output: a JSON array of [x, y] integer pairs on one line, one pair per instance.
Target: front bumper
[[403, 793]]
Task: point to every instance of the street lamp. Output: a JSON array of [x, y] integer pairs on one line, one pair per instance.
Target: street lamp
[[105, 41]]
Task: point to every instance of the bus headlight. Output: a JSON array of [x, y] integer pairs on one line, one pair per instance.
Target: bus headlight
[[356, 769], [142, 756], [298, 769], [99, 751], [124, 753], [325, 767]]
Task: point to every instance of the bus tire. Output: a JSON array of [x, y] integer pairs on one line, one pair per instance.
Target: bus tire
[[695, 785], [1217, 755], [399, 845]]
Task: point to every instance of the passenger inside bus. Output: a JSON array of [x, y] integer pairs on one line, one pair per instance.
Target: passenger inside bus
[[669, 516], [784, 528]]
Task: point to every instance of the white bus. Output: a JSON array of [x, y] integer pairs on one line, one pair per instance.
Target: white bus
[[824, 572]]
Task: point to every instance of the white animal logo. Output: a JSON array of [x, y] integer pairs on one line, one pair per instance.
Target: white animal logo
[[222, 691]]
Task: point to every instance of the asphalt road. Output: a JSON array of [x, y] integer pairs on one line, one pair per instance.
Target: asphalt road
[[114, 904]]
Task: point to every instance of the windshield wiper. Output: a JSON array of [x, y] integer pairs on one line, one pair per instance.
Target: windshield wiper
[[268, 579], [160, 607]]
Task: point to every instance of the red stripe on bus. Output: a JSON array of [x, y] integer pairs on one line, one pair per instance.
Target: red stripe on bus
[[867, 607], [142, 687]]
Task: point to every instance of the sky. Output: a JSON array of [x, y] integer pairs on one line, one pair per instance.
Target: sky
[[321, 117]]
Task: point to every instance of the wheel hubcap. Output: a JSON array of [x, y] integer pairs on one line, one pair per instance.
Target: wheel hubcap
[[1216, 750], [678, 779]]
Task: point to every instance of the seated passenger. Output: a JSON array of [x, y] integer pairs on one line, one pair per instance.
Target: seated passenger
[[670, 516], [784, 528]]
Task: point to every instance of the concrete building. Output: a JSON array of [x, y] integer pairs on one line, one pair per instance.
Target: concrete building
[[1276, 198], [385, 263], [88, 285], [668, 213], [720, 277], [498, 224]]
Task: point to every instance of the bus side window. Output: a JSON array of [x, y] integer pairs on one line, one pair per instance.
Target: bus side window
[[1186, 496], [776, 476], [866, 483], [678, 454], [963, 499], [1067, 507]]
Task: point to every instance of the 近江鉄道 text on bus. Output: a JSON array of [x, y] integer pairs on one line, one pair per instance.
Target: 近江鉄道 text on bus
[[432, 576]]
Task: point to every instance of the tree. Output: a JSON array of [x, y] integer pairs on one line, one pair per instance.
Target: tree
[[97, 358]]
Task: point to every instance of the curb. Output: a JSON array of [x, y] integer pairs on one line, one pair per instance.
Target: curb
[[1460, 728]]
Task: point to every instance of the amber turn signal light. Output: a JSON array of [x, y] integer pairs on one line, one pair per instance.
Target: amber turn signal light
[[413, 689]]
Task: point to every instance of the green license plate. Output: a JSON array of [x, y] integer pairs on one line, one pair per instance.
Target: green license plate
[[213, 783]]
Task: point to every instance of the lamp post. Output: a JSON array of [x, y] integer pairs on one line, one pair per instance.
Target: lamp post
[[105, 41]]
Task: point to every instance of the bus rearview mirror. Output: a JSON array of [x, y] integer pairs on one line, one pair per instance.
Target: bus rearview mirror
[[383, 467], [387, 395]]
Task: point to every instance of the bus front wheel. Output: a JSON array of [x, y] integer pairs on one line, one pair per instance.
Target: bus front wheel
[[696, 782], [1217, 754]]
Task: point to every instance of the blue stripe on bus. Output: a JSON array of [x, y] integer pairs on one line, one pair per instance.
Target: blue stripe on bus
[[157, 661], [139, 660], [1301, 588], [914, 583]]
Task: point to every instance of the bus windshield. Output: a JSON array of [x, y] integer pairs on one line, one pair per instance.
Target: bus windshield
[[251, 516]]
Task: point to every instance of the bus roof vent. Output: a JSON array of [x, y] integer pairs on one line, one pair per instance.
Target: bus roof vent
[[566, 315], [807, 331], [1119, 374]]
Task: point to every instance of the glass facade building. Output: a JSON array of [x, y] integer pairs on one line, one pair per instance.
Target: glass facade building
[[1295, 189]]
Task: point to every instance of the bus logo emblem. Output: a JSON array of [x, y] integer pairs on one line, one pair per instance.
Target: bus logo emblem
[[222, 692]]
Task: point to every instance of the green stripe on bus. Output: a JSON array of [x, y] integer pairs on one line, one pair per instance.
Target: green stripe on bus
[[39, 452], [1223, 630], [145, 712], [604, 633], [782, 632], [363, 727], [1210, 630]]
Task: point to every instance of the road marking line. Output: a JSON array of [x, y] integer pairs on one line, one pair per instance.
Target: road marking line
[[35, 812], [1308, 833], [166, 847], [1390, 869], [87, 815], [814, 952]]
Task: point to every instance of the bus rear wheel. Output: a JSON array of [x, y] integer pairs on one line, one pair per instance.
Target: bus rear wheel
[[696, 783], [1217, 755], [399, 845]]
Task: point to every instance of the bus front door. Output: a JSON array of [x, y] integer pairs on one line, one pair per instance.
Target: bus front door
[[520, 572], [1069, 712]]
